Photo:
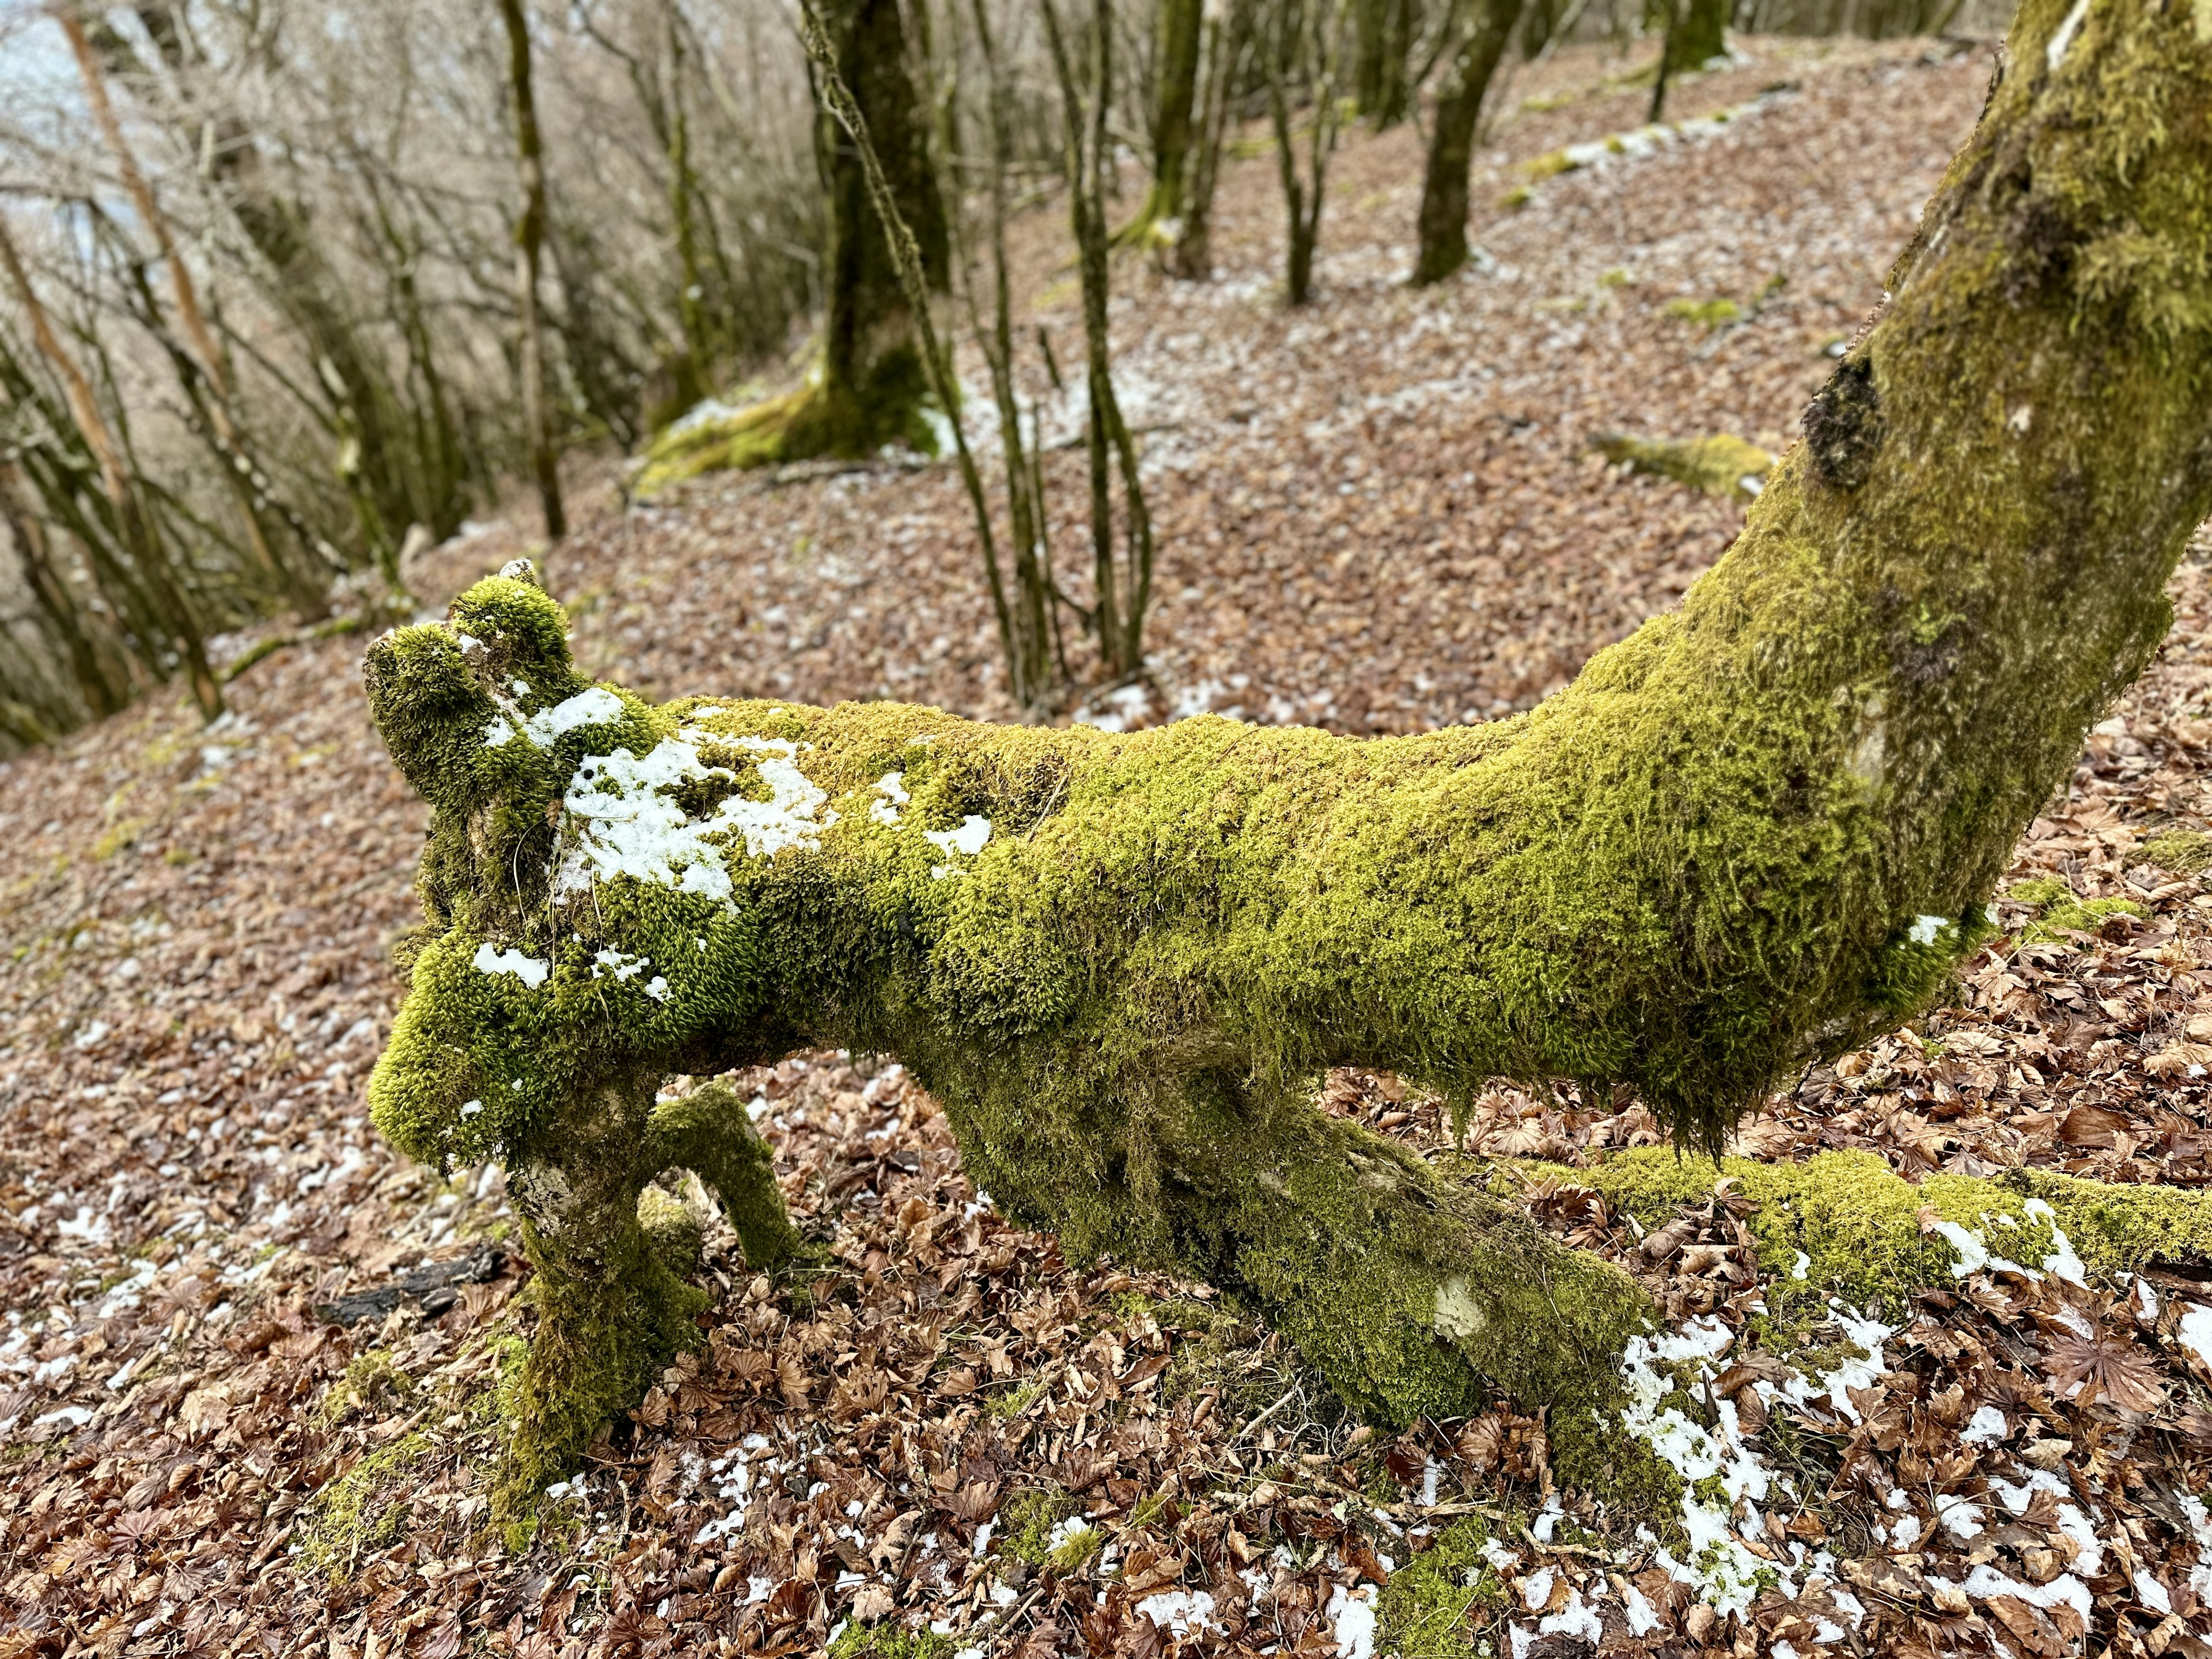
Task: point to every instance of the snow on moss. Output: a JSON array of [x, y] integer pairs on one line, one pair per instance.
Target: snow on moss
[[530, 970], [625, 818]]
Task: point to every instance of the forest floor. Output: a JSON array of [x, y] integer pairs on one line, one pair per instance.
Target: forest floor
[[248, 1368]]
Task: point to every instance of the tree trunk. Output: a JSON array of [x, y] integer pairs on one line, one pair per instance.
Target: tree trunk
[[1192, 256], [1383, 33], [1697, 35], [529, 242], [1443, 246], [870, 387], [1759, 829], [1177, 34], [872, 369]]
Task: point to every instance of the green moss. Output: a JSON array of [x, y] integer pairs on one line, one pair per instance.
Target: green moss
[[1706, 313], [817, 418], [1026, 1524], [1719, 466], [886, 1640], [2184, 852], [370, 1382], [2059, 912], [364, 1509], [1857, 1224], [1443, 1601]]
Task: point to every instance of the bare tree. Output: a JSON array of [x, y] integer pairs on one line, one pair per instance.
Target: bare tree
[[1442, 229], [1305, 48], [1122, 589], [529, 242]]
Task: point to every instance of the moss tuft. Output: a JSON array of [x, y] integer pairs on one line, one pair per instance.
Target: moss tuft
[[364, 1509], [2060, 914], [1443, 1601], [887, 1641], [1719, 466], [371, 1381], [1708, 314], [2184, 852]]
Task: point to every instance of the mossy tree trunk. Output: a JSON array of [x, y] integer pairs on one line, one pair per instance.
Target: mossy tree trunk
[[873, 381], [1442, 229], [1178, 32], [1757, 831]]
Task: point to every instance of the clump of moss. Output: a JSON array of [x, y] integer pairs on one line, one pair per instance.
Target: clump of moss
[[1858, 1225], [814, 419], [1719, 466], [370, 1381], [1026, 1524], [1439, 1603], [2059, 912], [364, 1509], [1708, 314], [888, 1641], [2184, 852]]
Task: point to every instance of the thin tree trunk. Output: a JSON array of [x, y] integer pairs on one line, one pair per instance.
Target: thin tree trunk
[[699, 352], [1307, 43], [1192, 257], [529, 240], [1033, 600], [135, 528], [239, 471], [1117, 613], [1443, 247]]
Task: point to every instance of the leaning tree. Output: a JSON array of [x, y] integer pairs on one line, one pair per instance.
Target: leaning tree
[[1760, 829]]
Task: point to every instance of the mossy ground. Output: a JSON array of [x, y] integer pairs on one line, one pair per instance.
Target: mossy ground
[[816, 418], [1446, 1602], [364, 1509], [884, 1641], [2060, 914]]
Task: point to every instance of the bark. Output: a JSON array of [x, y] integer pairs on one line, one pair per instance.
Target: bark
[[1759, 829], [1178, 35], [529, 243], [870, 358], [1384, 30], [1228, 28], [1443, 247]]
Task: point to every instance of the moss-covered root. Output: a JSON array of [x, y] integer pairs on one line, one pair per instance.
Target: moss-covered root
[[1719, 466], [709, 1132], [1411, 1294], [1843, 1224], [612, 1310]]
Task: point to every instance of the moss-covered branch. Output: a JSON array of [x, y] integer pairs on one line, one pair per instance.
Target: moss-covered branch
[[1753, 833]]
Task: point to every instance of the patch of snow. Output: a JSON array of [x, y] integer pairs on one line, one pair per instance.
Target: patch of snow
[[529, 970]]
